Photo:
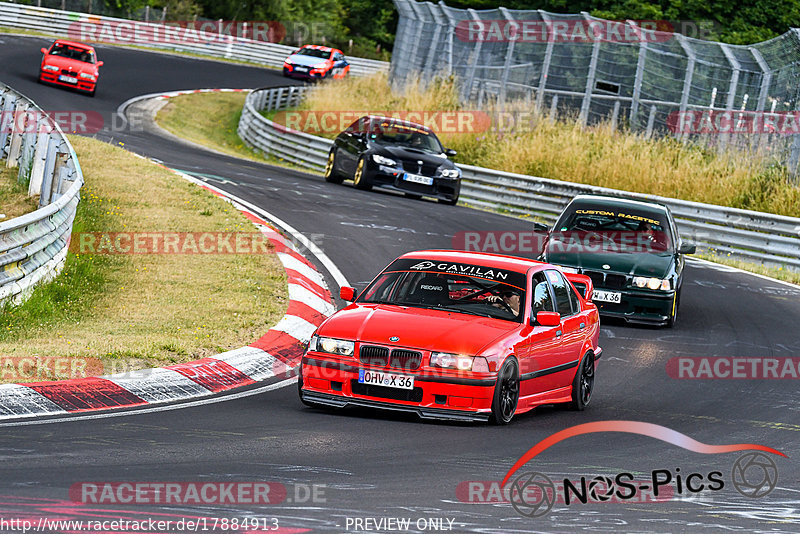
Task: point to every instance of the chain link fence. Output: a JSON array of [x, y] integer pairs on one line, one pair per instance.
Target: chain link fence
[[628, 72]]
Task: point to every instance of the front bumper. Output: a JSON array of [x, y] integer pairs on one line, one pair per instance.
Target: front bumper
[[307, 75], [52, 78], [640, 306], [391, 178], [333, 382]]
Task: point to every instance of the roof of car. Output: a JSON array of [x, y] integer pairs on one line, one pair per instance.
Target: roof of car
[[320, 47], [619, 203], [74, 44], [484, 259]]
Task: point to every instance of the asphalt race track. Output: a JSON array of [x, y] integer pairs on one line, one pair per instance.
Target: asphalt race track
[[372, 465]]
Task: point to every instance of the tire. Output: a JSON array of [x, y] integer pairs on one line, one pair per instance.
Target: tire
[[583, 383], [674, 317], [452, 202], [331, 175], [506, 393], [360, 180]]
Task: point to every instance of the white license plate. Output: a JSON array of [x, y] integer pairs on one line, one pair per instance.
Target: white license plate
[[417, 179], [301, 69], [607, 296], [385, 379], [68, 79]]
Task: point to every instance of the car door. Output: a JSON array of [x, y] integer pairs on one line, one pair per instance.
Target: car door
[[350, 146], [573, 324], [540, 350]]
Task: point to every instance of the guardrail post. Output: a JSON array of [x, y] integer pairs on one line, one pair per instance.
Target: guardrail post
[[687, 80], [15, 145], [39, 156], [639, 77], [615, 114], [651, 120], [794, 156], [6, 119], [473, 62], [553, 108], [587, 96], [48, 174], [548, 56]]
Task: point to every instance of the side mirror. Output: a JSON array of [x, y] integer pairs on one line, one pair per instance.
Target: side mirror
[[99, 63], [347, 293], [44, 50], [450, 152], [541, 227], [687, 248], [546, 318]]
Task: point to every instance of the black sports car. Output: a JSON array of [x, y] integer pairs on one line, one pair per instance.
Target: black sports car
[[396, 155], [630, 249]]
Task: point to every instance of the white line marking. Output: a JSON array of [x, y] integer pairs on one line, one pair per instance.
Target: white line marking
[[295, 326], [737, 270], [290, 262], [191, 404]]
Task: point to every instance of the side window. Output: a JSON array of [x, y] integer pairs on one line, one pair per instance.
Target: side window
[[576, 303], [353, 128], [541, 300], [562, 292]]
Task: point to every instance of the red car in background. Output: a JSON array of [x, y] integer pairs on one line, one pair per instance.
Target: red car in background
[[313, 62], [70, 64], [458, 335]]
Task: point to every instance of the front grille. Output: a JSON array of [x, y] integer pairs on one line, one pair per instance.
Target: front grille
[[370, 390], [409, 360], [371, 355], [426, 169], [607, 280], [69, 72]]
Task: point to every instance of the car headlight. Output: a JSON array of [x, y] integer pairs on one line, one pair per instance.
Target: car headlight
[[52, 68], [380, 160], [652, 283], [320, 66], [450, 173], [330, 345], [287, 62], [86, 76], [461, 362]]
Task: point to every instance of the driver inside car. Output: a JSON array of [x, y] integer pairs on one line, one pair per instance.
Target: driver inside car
[[508, 297]]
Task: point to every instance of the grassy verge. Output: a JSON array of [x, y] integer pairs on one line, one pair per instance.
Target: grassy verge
[[135, 311], [14, 199], [211, 119], [599, 155]]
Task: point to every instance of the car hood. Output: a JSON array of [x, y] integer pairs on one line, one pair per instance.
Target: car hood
[[307, 61], [403, 154], [417, 328], [72, 64], [633, 263]]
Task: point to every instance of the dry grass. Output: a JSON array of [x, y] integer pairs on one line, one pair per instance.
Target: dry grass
[[135, 311], [598, 155], [14, 199]]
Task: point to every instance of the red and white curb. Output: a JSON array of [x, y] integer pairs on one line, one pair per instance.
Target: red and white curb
[[273, 356]]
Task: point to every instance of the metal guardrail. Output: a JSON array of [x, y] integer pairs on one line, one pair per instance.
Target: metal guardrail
[[66, 24], [747, 235], [33, 247]]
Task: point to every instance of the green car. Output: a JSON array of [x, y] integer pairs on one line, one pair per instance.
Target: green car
[[630, 249]]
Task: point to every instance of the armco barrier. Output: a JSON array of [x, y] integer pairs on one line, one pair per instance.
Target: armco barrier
[[33, 247], [747, 235], [59, 23]]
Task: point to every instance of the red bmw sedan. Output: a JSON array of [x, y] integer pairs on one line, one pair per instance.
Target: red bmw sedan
[[70, 64]]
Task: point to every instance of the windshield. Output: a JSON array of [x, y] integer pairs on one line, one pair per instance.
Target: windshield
[[314, 52], [612, 230], [484, 291], [388, 133], [71, 52]]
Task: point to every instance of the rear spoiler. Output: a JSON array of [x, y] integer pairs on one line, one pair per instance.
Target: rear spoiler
[[582, 283]]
